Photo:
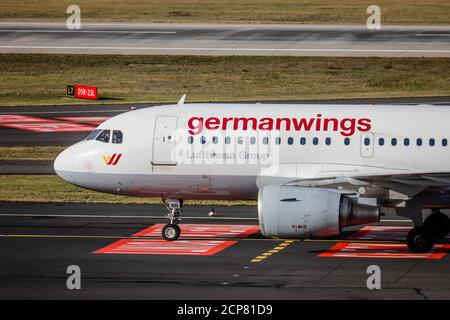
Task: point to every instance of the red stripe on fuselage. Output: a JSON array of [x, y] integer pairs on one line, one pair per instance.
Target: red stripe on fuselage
[[112, 159], [117, 159]]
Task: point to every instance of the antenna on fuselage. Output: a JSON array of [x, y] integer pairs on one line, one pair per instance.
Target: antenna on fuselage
[[182, 99]]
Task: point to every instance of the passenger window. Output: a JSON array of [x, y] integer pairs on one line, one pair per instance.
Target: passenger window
[[202, 139], [327, 141], [93, 134], [265, 140], [227, 140], [117, 136], [252, 140], [278, 140], [315, 141], [406, 142], [419, 142], [190, 139], [215, 140], [104, 136], [381, 141], [394, 141], [432, 142], [347, 141], [290, 140], [366, 141], [302, 141], [444, 142], [240, 140]]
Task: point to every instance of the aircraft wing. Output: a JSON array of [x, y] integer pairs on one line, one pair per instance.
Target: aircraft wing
[[372, 182]]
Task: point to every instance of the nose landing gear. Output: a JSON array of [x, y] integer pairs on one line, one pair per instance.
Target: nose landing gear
[[172, 231]]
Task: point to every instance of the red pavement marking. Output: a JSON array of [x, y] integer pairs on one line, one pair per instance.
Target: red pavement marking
[[382, 250], [179, 247], [182, 247], [203, 231], [91, 120], [54, 126], [377, 250], [381, 233], [14, 118]]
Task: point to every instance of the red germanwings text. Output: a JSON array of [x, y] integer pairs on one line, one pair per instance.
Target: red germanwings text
[[345, 126]]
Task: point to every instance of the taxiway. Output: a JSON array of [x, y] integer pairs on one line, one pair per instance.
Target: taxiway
[[39, 241]]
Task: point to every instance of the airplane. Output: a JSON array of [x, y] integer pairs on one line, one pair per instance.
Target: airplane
[[314, 169]]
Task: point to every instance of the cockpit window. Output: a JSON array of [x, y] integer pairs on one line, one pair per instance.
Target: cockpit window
[[104, 136], [93, 134], [117, 136]]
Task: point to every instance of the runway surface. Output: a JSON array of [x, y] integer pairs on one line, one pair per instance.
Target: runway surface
[[184, 39], [66, 125], [39, 241]]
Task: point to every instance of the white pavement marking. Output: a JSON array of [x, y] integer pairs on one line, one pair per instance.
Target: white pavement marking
[[31, 215], [83, 31], [228, 26], [433, 34], [229, 49], [419, 102]]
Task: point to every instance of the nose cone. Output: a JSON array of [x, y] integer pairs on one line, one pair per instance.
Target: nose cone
[[63, 166]]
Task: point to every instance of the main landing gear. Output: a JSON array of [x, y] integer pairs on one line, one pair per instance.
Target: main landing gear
[[172, 231], [422, 239]]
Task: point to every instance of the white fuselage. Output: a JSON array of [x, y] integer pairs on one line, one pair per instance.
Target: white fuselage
[[227, 151]]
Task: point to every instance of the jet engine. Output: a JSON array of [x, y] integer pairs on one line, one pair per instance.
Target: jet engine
[[299, 212]]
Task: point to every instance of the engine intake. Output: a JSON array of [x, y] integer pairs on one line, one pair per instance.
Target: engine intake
[[298, 212]]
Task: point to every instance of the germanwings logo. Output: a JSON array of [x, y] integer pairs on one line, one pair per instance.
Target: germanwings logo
[[345, 126], [113, 160]]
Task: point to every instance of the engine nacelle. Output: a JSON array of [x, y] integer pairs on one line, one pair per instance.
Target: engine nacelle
[[298, 212]]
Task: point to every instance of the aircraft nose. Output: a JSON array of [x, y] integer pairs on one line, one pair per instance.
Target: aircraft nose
[[63, 166]]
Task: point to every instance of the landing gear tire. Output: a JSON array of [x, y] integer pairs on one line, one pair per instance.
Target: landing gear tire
[[171, 232], [420, 239], [439, 224]]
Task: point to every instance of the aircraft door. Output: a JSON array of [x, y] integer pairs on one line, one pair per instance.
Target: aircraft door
[[164, 140]]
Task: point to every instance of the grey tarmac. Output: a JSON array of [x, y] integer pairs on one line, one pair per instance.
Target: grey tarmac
[[36, 250], [211, 39]]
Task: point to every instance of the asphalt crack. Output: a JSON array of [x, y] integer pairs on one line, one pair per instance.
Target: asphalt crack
[[420, 293]]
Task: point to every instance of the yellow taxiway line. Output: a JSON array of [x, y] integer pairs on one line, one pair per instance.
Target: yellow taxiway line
[[272, 251]]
